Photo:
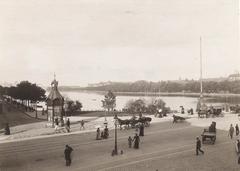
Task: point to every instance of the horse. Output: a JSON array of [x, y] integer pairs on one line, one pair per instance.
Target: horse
[[177, 118], [145, 120], [123, 122], [133, 122]]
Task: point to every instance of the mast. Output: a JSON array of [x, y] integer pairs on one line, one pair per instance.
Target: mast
[[201, 83]]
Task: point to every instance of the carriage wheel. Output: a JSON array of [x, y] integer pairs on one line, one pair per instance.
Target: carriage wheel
[[214, 139]]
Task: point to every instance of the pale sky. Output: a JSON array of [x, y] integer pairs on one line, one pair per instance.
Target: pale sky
[[88, 41]]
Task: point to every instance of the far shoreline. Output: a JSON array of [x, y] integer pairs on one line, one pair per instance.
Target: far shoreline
[[176, 94]]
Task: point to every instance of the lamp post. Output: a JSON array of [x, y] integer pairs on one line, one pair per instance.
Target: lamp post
[[115, 145]]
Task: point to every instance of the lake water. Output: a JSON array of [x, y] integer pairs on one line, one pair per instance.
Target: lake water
[[93, 101]]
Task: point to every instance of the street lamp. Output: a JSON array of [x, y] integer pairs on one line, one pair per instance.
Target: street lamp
[[115, 146], [105, 113]]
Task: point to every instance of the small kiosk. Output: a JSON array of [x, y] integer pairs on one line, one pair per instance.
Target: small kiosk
[[55, 102]]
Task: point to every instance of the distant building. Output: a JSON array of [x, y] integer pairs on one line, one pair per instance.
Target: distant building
[[100, 84], [234, 77]]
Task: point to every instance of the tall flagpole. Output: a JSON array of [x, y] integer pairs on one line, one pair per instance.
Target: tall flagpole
[[201, 83]]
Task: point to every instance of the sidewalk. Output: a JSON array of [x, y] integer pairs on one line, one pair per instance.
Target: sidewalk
[[44, 129]]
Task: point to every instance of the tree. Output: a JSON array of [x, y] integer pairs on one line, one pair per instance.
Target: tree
[[155, 105], [160, 104], [73, 107], [30, 92], [1, 90], [26, 91], [78, 105], [136, 106], [109, 102]]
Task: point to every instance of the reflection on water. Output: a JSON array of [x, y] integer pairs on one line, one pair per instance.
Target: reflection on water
[[93, 101], [223, 100]]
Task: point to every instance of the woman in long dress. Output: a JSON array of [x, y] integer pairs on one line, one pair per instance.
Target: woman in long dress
[[136, 140], [98, 134]]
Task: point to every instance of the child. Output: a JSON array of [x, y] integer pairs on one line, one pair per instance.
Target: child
[[130, 142]]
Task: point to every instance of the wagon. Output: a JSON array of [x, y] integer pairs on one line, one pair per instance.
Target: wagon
[[209, 134]]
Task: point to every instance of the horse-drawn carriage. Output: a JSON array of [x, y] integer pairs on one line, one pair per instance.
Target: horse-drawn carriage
[[212, 110], [209, 134], [235, 109], [178, 118], [134, 122]]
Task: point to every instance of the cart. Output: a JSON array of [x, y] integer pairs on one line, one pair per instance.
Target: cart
[[209, 134]]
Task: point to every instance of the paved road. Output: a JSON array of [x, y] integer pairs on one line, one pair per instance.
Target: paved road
[[164, 147]]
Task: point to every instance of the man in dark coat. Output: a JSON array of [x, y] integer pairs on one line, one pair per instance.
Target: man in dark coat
[[136, 140], [7, 129], [198, 146], [67, 152], [141, 132], [237, 129]]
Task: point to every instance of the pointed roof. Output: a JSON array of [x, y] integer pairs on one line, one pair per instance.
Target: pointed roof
[[54, 93]]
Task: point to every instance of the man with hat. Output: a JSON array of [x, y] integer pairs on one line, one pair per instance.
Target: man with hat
[[198, 146]]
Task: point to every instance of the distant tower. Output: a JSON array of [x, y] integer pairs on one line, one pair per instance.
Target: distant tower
[[55, 102]]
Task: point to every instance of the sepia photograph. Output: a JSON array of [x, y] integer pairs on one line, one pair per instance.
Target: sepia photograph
[[127, 85]]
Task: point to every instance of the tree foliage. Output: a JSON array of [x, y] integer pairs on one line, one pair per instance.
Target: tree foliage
[[136, 106], [109, 102], [142, 106], [73, 106], [190, 86], [25, 91]]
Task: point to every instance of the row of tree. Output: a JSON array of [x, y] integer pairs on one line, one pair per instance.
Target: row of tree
[[136, 106], [142, 106], [171, 86], [24, 91]]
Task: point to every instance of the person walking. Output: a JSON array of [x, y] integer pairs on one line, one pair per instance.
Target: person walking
[[198, 146], [82, 125], [130, 140], [231, 131], [68, 125], [67, 153], [56, 121], [136, 140], [98, 134], [141, 130], [238, 146], [237, 129], [106, 132]]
